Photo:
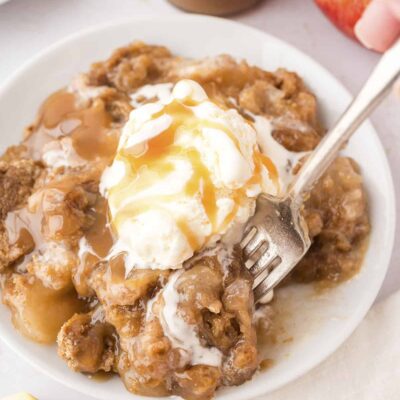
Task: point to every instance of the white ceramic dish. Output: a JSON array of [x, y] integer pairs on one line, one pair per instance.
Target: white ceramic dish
[[317, 323]]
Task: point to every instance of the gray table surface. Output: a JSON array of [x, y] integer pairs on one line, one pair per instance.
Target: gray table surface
[[28, 26]]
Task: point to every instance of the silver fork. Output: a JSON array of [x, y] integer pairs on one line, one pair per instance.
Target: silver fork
[[276, 237]]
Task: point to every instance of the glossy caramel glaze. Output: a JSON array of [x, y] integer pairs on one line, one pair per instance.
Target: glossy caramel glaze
[[89, 128]]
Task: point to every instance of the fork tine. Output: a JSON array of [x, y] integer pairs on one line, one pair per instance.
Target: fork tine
[[273, 278], [266, 271], [253, 247], [248, 235], [251, 259], [263, 263], [275, 240]]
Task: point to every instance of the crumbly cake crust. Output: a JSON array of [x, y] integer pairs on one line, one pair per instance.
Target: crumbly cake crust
[[109, 322]]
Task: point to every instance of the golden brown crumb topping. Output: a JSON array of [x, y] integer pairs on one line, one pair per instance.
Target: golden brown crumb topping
[[55, 237]]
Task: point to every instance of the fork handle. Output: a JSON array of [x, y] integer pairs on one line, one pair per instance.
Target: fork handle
[[372, 93]]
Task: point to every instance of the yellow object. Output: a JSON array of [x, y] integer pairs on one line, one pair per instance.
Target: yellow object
[[20, 396]]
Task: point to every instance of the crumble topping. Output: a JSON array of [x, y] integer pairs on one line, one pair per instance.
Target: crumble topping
[[55, 233]]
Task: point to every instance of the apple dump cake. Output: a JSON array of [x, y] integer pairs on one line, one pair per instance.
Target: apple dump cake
[[122, 208]]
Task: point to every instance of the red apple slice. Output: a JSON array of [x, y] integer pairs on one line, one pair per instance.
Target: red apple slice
[[343, 13]]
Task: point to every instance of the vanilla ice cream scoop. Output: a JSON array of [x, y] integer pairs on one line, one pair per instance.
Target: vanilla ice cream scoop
[[186, 174]]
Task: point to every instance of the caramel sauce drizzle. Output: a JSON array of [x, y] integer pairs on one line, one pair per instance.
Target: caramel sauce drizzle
[[100, 237], [155, 163], [89, 127], [23, 232], [93, 139], [32, 226]]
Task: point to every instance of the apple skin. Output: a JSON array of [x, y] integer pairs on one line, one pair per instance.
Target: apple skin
[[344, 13]]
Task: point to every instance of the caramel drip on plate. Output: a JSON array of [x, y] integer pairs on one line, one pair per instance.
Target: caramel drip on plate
[[88, 126]]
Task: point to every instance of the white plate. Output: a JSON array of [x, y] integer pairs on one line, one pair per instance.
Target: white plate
[[318, 324]]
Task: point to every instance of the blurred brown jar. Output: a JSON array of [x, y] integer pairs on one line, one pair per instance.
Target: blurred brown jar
[[214, 7]]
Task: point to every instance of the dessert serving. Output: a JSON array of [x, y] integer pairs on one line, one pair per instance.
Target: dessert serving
[[123, 206]]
